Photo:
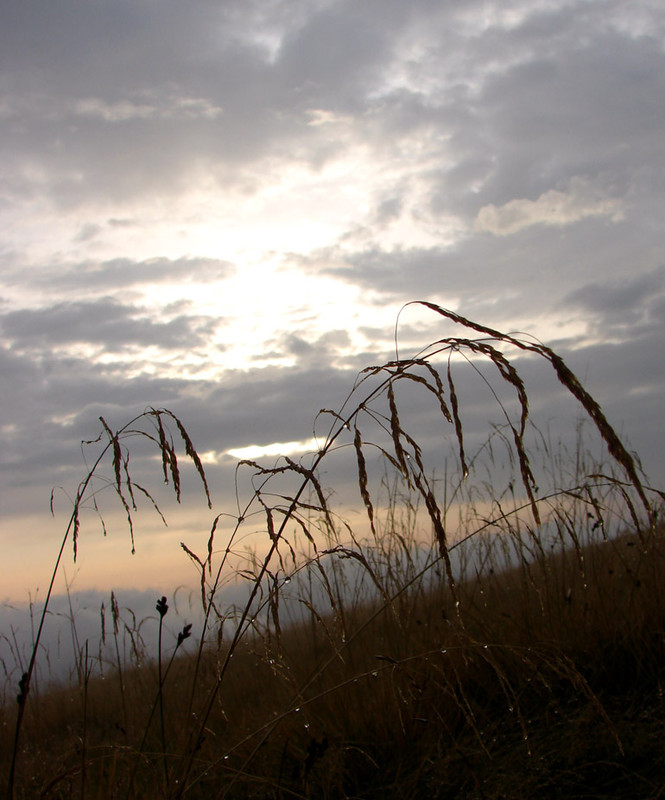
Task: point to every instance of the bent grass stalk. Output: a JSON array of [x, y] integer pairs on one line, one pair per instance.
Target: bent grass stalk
[[404, 460], [404, 455], [297, 700], [120, 466]]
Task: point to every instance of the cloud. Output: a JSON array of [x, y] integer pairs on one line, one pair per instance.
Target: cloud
[[174, 107], [503, 159], [571, 108], [52, 401], [328, 349], [554, 208], [506, 281], [630, 307], [494, 110], [106, 323], [122, 273]]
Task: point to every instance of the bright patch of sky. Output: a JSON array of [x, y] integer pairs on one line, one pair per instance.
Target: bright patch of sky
[[255, 451]]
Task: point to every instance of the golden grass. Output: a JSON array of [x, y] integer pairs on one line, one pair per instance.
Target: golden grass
[[540, 676], [518, 654]]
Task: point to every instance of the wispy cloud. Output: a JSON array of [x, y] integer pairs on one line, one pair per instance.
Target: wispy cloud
[[553, 207]]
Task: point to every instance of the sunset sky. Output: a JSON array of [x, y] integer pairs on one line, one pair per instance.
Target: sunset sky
[[219, 207]]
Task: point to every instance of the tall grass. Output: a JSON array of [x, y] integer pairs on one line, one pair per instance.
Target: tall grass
[[469, 615]]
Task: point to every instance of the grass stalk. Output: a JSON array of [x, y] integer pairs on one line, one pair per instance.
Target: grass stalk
[[455, 644]]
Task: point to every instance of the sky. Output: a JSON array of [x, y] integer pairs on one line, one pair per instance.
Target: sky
[[220, 208]]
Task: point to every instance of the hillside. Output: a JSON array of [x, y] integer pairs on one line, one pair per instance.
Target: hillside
[[547, 682]]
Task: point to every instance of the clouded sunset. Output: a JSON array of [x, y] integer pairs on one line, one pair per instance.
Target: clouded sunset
[[226, 209]]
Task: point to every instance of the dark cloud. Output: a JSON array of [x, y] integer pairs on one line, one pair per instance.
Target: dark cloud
[[124, 101], [53, 405], [50, 403], [114, 100], [630, 296], [105, 323], [123, 273], [574, 112], [631, 307], [321, 353], [538, 266]]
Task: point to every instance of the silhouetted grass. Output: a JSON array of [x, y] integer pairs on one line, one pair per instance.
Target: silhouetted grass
[[481, 636]]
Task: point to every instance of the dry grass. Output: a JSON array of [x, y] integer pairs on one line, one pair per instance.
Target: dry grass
[[479, 642], [541, 687]]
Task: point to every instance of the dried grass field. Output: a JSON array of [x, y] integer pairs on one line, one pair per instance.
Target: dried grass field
[[495, 633]]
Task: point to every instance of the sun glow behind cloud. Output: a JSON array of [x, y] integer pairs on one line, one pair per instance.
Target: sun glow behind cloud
[[274, 449]]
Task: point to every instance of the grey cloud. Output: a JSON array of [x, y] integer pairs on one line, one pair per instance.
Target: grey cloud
[[500, 280], [388, 209], [121, 273], [105, 322], [262, 406], [75, 66], [115, 222], [633, 305], [570, 97], [628, 294], [574, 113], [118, 42], [324, 351], [545, 100], [581, 102], [279, 404], [311, 59], [51, 403], [88, 231]]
